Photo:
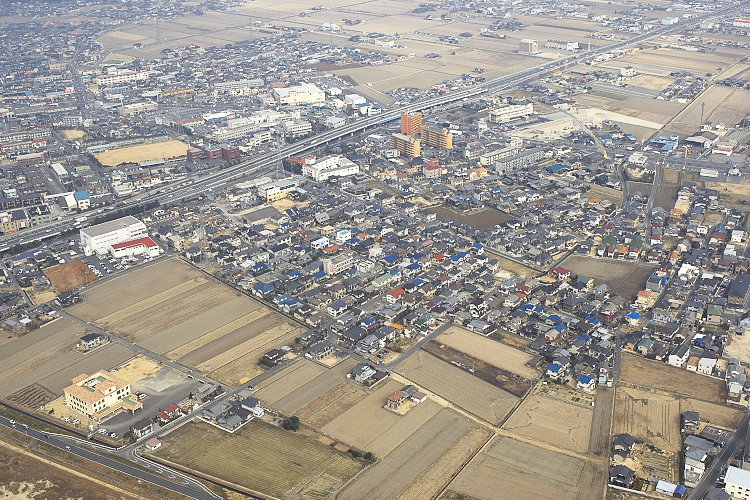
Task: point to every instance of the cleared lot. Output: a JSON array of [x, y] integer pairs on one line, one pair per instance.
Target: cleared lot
[[641, 371], [623, 278], [173, 309], [529, 472], [261, 458], [457, 386], [548, 420], [423, 463], [489, 350], [70, 276], [144, 152]]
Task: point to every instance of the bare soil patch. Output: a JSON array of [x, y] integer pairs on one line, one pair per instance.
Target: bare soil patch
[[70, 276]]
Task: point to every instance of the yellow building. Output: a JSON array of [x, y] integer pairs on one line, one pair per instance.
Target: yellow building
[[99, 395], [437, 137], [406, 145]]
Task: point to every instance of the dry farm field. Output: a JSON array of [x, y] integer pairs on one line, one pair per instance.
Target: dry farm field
[[530, 472], [623, 278], [370, 427], [261, 458], [653, 417], [321, 410], [645, 372], [174, 309], [302, 383], [142, 153], [558, 423], [424, 463], [457, 386], [724, 105], [45, 356], [490, 351], [70, 276]]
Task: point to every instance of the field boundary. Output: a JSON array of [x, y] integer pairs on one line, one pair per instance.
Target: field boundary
[[212, 479], [466, 464]]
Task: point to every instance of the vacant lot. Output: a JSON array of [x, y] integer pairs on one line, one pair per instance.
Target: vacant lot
[[457, 386], [262, 458], [173, 309], [26, 476], [529, 472], [666, 196], [481, 219], [490, 351], [551, 421], [423, 463], [641, 371], [623, 278], [143, 152], [70, 276]]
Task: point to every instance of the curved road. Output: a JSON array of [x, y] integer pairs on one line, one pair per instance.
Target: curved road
[[162, 476]]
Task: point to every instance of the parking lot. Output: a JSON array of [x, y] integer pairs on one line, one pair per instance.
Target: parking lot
[[162, 389]]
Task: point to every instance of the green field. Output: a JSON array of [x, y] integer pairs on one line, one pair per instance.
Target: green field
[[261, 458]]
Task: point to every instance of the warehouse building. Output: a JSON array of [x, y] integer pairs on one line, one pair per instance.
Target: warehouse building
[[331, 166], [100, 238]]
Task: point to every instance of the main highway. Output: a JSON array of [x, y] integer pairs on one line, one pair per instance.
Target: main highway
[[250, 167], [161, 476]]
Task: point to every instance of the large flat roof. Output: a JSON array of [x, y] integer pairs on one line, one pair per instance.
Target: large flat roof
[[109, 226], [738, 476]]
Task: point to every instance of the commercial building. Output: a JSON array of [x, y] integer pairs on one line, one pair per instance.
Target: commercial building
[[100, 238], [407, 145], [561, 45], [277, 190], [100, 395], [490, 157], [239, 87], [437, 137], [121, 77], [518, 160], [411, 123], [132, 248], [296, 128], [511, 112], [331, 166], [299, 95], [528, 46], [339, 263], [741, 22], [737, 483]]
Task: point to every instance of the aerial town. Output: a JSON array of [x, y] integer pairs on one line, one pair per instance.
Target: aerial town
[[387, 250]]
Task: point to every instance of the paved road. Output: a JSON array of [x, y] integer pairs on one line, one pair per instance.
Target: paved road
[[720, 461], [162, 476], [247, 168]]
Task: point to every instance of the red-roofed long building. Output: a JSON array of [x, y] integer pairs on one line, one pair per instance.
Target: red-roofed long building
[[131, 248]]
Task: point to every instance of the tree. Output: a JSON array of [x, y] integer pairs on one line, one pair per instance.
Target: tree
[[291, 423]]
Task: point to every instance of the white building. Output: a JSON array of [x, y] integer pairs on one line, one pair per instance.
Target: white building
[[239, 87], [510, 112], [100, 238], [323, 169], [305, 93], [122, 76], [737, 483], [132, 248], [528, 46]]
